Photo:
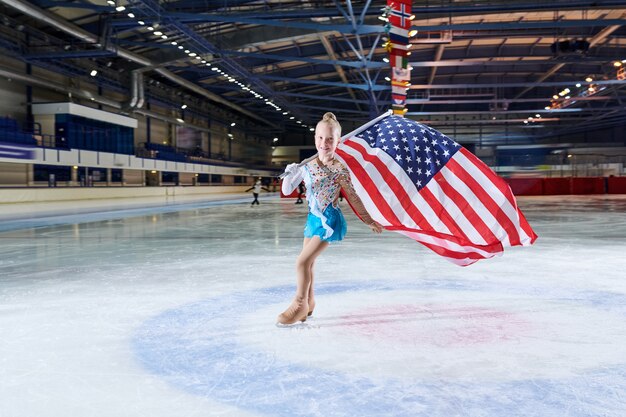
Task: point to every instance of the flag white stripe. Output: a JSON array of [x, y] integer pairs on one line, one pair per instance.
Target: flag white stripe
[[477, 204], [450, 206], [383, 188], [494, 192]]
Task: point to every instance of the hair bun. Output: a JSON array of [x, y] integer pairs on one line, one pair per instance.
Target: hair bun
[[329, 116]]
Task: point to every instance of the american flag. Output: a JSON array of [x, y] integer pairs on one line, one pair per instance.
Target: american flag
[[417, 181]]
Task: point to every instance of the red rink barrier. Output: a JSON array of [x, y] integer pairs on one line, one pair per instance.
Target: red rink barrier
[[616, 185], [526, 186], [557, 186], [593, 185]]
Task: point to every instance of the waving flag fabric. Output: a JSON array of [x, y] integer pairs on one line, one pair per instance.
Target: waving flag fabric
[[418, 182]]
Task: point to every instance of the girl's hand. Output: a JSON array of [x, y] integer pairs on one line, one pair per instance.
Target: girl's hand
[[376, 227]]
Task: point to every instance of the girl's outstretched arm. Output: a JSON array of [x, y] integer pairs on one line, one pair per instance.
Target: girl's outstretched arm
[[356, 203]]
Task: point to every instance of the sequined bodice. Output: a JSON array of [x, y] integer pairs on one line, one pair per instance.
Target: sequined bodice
[[323, 183]]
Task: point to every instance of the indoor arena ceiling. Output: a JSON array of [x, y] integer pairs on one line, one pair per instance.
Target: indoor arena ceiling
[[483, 71]]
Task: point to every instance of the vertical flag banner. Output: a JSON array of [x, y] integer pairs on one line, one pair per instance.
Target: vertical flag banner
[[418, 182], [399, 16]]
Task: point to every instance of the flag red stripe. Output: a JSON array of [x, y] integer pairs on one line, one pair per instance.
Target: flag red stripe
[[468, 211], [498, 182], [442, 213], [502, 218], [369, 186], [401, 195]]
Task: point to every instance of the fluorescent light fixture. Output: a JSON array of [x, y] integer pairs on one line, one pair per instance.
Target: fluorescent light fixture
[[187, 51], [111, 2], [312, 130], [120, 8], [387, 79], [164, 36], [385, 59], [193, 54], [285, 112], [589, 79], [179, 120], [203, 61], [158, 33], [150, 28], [547, 107], [94, 73], [141, 22], [233, 124], [184, 106], [555, 97], [174, 43], [292, 117], [578, 84], [537, 115], [131, 15], [180, 47], [275, 140], [198, 57]]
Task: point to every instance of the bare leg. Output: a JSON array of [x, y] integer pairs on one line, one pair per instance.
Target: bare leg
[[311, 297], [299, 307]]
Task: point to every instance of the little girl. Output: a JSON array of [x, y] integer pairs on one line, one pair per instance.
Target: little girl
[[324, 178]]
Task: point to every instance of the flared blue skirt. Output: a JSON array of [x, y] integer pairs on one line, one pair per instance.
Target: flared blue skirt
[[335, 229]]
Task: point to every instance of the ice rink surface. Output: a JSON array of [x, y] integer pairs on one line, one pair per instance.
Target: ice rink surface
[[166, 310]]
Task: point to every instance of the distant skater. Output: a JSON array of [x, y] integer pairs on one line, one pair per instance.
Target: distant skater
[[256, 190], [300, 193]]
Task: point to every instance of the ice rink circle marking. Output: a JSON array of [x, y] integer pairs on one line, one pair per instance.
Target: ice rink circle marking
[[203, 349]]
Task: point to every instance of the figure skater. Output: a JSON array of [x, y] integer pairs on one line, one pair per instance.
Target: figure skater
[[256, 190], [324, 177], [300, 193]]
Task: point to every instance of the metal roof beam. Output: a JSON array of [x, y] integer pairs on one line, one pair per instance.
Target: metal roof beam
[[520, 84], [234, 18], [327, 83], [331, 62]]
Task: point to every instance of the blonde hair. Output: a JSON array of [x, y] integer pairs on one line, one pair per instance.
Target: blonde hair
[[330, 119]]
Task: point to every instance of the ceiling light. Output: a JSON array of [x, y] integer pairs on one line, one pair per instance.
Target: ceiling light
[[617, 64], [412, 17], [298, 121], [291, 118], [131, 15], [312, 130], [193, 54], [164, 36], [230, 135], [180, 47], [578, 84], [215, 69], [233, 124], [275, 140], [198, 57], [174, 43], [285, 112], [547, 107], [187, 51], [111, 2], [387, 79], [567, 97], [203, 61], [184, 106], [537, 115], [526, 121], [386, 59], [150, 28], [120, 8], [589, 79], [555, 97], [413, 32], [179, 120], [94, 73], [141, 22], [158, 33]]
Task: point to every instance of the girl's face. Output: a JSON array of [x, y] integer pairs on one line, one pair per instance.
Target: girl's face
[[325, 140]]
